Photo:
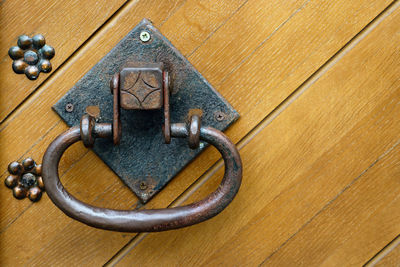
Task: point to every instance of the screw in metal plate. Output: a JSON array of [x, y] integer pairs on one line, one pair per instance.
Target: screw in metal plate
[[69, 107], [143, 186], [145, 36], [201, 145], [219, 116]]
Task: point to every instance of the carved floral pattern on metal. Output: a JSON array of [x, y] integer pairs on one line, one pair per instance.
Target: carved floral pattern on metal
[[31, 56], [25, 179]]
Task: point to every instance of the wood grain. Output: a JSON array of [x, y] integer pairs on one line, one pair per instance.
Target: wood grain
[[66, 25], [348, 231], [267, 66], [42, 132], [155, 15], [300, 164], [391, 255]]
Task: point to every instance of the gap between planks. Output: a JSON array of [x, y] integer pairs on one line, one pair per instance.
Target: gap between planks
[[109, 23], [265, 122], [11, 115], [383, 253], [20, 159], [331, 201]]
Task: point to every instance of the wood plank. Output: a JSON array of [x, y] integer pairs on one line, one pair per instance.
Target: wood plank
[[391, 255], [192, 5], [301, 162], [348, 231], [66, 25], [39, 105], [57, 238], [268, 79], [88, 160], [11, 209]]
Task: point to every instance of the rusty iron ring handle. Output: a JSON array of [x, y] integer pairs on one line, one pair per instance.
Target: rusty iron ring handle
[[152, 220]]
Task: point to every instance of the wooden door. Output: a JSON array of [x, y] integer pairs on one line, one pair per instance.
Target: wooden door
[[317, 86]]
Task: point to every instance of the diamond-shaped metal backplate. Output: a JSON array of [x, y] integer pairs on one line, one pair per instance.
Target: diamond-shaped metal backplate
[[142, 160]]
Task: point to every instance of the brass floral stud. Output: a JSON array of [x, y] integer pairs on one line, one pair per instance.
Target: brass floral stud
[[31, 56], [25, 179]]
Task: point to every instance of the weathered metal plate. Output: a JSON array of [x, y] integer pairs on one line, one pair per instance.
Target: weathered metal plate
[[142, 160]]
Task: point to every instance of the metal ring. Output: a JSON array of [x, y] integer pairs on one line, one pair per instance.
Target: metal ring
[[152, 220], [194, 131], [86, 127]]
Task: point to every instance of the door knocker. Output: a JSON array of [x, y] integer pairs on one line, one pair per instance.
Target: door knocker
[[160, 114]]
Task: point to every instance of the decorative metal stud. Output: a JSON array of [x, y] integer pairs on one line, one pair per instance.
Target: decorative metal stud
[[25, 179], [31, 56]]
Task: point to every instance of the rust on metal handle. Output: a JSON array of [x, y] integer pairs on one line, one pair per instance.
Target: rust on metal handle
[[152, 220]]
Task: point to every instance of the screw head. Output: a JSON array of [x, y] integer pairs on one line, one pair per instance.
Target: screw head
[[145, 36], [201, 145], [143, 186], [219, 116], [69, 107]]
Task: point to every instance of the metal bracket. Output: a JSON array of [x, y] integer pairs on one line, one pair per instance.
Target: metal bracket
[[143, 159]]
